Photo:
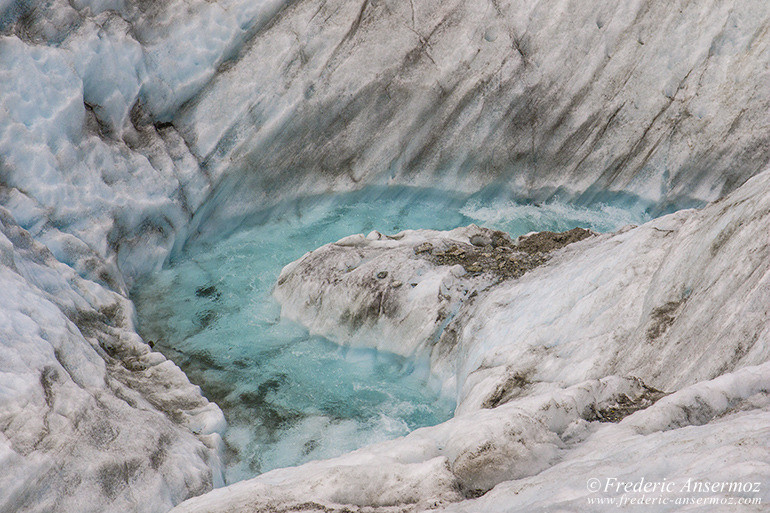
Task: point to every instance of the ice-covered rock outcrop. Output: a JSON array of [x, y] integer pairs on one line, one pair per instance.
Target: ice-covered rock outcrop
[[592, 362], [400, 293]]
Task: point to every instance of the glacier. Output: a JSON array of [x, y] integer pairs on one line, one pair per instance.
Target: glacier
[[129, 130]]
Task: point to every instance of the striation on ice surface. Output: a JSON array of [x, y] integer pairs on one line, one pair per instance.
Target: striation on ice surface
[[142, 113], [660, 103], [399, 293]]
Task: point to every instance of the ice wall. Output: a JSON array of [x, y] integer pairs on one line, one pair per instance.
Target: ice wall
[[661, 103], [90, 163], [138, 110]]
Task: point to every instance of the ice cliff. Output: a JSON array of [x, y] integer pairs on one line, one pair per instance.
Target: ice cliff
[[127, 127]]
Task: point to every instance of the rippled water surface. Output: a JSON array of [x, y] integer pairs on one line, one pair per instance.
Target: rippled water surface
[[289, 397]]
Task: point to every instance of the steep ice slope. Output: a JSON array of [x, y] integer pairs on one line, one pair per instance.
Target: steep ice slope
[[664, 102], [660, 103], [538, 361], [90, 418]]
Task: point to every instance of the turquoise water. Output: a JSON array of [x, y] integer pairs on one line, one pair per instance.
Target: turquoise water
[[289, 397]]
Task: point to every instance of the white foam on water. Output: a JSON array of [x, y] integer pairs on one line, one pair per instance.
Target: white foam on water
[[523, 218]]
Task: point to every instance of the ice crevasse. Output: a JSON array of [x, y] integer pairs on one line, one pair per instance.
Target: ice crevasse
[[128, 127]]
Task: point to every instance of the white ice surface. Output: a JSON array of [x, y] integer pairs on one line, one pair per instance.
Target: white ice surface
[[85, 88]]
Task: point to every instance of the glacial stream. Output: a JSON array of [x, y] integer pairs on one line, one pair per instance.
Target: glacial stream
[[290, 397]]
